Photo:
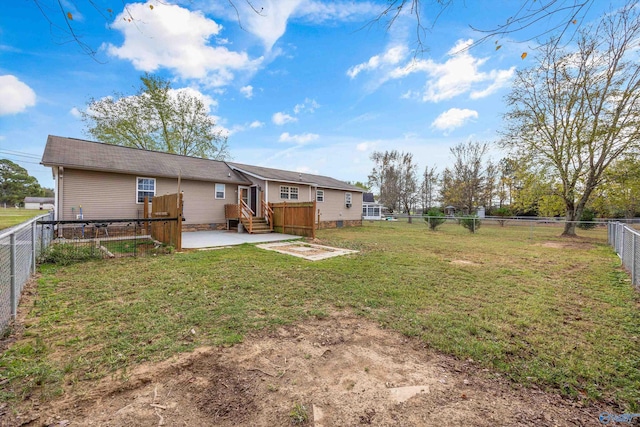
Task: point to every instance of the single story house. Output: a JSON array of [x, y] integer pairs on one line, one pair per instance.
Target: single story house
[[42, 203], [371, 210], [111, 182]]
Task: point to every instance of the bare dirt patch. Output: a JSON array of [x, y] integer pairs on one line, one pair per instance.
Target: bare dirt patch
[[339, 371], [572, 244], [465, 262]]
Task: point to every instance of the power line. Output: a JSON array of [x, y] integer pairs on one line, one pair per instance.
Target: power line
[[20, 154], [24, 161]]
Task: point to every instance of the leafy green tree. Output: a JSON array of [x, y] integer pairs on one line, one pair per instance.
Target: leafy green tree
[[16, 184], [157, 118], [577, 111], [362, 185], [619, 195]]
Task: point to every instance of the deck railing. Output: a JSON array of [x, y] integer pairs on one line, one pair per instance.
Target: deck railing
[[268, 214], [246, 214]]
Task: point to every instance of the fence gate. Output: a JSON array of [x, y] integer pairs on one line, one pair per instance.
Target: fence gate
[[168, 232], [295, 218]]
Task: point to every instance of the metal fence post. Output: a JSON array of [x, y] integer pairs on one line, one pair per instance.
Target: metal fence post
[[34, 229], [14, 273], [633, 259]]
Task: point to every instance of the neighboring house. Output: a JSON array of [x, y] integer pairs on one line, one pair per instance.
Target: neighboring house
[[42, 203], [110, 182], [370, 208]]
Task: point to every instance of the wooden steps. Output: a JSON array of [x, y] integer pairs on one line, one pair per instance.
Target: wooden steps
[[259, 225]]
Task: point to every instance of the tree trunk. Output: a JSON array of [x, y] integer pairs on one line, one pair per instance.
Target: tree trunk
[[572, 217]]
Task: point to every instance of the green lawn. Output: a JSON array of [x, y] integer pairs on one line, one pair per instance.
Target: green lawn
[[512, 299], [12, 216]]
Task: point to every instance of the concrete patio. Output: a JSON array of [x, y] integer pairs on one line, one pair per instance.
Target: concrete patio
[[211, 239]]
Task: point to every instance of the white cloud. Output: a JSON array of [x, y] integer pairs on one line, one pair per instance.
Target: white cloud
[[256, 124], [460, 73], [282, 118], [501, 78], [271, 21], [247, 91], [363, 146], [309, 105], [318, 12], [392, 56], [173, 37], [298, 139], [16, 96], [75, 113], [453, 118]]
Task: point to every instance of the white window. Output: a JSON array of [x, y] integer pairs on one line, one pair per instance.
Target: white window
[[347, 199], [288, 192], [319, 195], [145, 187], [220, 191], [284, 192]]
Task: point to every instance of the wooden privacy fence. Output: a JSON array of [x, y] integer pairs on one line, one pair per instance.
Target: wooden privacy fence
[[168, 206], [295, 218]]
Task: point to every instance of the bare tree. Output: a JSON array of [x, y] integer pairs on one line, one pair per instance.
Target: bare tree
[[464, 182], [408, 183], [394, 175], [544, 16], [575, 112], [430, 180]]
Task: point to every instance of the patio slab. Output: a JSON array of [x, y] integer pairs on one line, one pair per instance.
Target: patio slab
[[212, 239]]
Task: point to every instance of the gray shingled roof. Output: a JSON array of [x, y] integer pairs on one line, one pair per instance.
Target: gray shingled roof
[[39, 200], [87, 155], [295, 177]]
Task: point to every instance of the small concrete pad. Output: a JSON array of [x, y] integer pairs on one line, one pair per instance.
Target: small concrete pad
[[306, 250], [402, 394], [210, 239]]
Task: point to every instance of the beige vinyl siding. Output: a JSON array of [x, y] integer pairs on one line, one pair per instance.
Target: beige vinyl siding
[[106, 195], [201, 205], [333, 208], [101, 195]]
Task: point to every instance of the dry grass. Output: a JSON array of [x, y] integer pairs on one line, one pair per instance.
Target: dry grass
[[520, 301]]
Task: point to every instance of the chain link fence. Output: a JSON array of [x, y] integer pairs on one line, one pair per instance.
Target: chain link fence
[[20, 247], [626, 242]]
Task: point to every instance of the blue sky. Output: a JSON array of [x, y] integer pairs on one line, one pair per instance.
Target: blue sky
[[305, 85]]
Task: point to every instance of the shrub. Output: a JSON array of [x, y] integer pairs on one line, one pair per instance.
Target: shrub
[[502, 213], [68, 253], [434, 218], [471, 223], [587, 215]]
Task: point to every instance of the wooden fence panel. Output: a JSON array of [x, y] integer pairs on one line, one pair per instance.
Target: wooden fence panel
[[169, 232], [295, 218]]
